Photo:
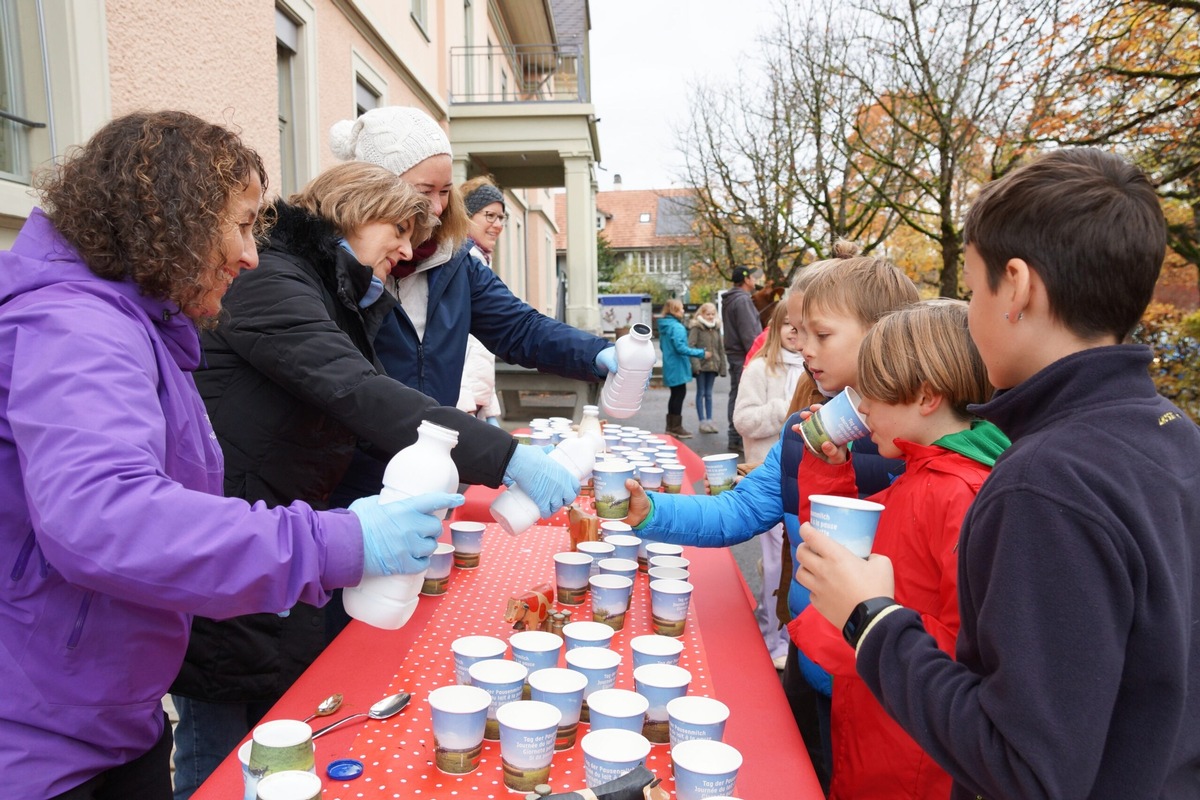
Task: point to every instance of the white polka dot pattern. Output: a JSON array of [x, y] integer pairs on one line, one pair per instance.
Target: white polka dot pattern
[[398, 753]]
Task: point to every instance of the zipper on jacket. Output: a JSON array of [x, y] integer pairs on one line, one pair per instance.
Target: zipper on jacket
[[77, 631], [18, 570]]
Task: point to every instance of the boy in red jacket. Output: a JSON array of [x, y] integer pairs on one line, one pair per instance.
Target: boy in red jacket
[[916, 407], [1077, 663]]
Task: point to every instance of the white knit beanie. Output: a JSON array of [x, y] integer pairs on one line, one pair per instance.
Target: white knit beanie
[[395, 137]]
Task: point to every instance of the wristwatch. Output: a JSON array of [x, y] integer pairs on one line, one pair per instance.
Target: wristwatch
[[862, 616]]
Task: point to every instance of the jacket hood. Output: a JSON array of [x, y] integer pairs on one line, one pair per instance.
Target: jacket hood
[[298, 232], [47, 260], [982, 442]]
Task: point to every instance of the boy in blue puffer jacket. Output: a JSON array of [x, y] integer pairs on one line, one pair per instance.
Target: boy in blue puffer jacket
[[846, 295]]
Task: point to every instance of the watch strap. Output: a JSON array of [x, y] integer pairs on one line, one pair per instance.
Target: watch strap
[[863, 616]]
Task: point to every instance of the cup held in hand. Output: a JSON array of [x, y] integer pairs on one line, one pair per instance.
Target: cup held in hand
[[847, 520], [837, 421]]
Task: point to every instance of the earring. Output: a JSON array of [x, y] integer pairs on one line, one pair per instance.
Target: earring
[[1020, 316]]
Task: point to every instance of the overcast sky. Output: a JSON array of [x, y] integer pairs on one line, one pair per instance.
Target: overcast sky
[[645, 53]]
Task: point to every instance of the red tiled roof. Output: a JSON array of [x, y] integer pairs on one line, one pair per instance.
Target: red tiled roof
[[623, 227]]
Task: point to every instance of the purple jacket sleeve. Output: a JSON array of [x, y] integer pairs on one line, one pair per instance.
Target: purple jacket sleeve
[[105, 430]]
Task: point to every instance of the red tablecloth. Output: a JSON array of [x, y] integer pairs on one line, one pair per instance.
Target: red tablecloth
[[364, 663]]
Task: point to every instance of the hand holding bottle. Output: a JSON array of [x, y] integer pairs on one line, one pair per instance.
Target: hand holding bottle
[[399, 537], [548, 483], [605, 361]]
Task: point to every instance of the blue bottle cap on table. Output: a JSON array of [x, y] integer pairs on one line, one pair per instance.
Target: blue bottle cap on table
[[344, 769]]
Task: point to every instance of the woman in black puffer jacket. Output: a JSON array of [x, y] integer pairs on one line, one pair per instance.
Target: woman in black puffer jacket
[[292, 387]]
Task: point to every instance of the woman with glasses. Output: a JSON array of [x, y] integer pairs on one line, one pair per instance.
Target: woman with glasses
[[444, 293], [485, 205]]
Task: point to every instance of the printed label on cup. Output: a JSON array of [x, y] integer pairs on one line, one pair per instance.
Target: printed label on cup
[[836, 421], [847, 520]]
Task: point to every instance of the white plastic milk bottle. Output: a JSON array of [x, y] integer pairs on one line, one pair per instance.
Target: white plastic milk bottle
[[388, 601], [516, 511], [622, 394]]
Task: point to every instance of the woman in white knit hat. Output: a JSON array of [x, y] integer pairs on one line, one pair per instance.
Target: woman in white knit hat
[[445, 293]]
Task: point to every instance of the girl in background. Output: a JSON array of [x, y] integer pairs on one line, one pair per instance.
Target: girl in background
[[676, 363], [768, 383], [705, 333]]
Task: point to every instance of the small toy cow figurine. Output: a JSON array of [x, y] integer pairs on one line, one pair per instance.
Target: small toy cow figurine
[[530, 610]]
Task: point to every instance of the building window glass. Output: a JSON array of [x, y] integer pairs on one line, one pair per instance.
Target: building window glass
[[644, 217], [420, 15], [21, 89], [365, 98]]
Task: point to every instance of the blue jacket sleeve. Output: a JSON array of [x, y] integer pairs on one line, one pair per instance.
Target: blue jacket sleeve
[[519, 334], [751, 507], [679, 339]]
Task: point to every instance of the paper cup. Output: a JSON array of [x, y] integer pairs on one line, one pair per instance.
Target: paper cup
[[696, 718], [721, 471], [459, 718], [597, 550], [571, 573], [617, 708], [655, 549], [563, 689], [669, 601], [650, 478], [673, 475], [587, 634], [668, 574], [470, 649], [660, 684], [655, 649], [677, 562], [610, 754], [536, 650], [437, 577], [619, 566], [527, 732], [836, 421], [289, 785], [625, 545], [503, 681], [467, 538], [281, 745], [704, 769], [610, 597], [847, 520], [612, 495], [249, 782], [599, 666], [611, 526]]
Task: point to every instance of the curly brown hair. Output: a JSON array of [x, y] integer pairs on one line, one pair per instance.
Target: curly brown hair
[[146, 199]]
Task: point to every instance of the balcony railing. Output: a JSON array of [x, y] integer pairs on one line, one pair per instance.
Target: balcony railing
[[529, 73]]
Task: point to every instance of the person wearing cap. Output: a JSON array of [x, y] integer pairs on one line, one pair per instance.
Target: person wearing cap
[[740, 319], [444, 293]]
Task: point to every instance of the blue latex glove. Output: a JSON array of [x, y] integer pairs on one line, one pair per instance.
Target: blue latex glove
[[399, 537], [493, 421], [547, 482], [605, 361]]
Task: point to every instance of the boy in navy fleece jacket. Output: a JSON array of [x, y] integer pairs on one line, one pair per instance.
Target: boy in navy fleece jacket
[[1077, 669]]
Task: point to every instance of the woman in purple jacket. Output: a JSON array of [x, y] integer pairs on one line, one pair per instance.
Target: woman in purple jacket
[[113, 530]]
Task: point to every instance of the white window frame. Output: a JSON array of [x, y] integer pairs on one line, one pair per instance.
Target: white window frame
[[369, 78], [308, 144], [419, 12], [74, 56]]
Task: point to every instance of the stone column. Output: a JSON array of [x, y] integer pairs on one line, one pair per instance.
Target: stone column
[[582, 306]]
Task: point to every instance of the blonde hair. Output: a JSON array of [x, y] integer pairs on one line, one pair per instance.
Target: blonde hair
[[773, 346], [706, 307], [456, 223], [924, 344], [863, 287], [673, 307], [355, 193]]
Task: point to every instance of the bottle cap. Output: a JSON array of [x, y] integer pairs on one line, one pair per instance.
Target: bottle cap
[[344, 769]]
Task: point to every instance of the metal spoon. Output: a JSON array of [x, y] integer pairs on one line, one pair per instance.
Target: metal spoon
[[328, 706], [387, 707]]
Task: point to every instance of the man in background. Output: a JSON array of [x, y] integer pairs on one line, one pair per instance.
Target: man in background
[[740, 320]]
